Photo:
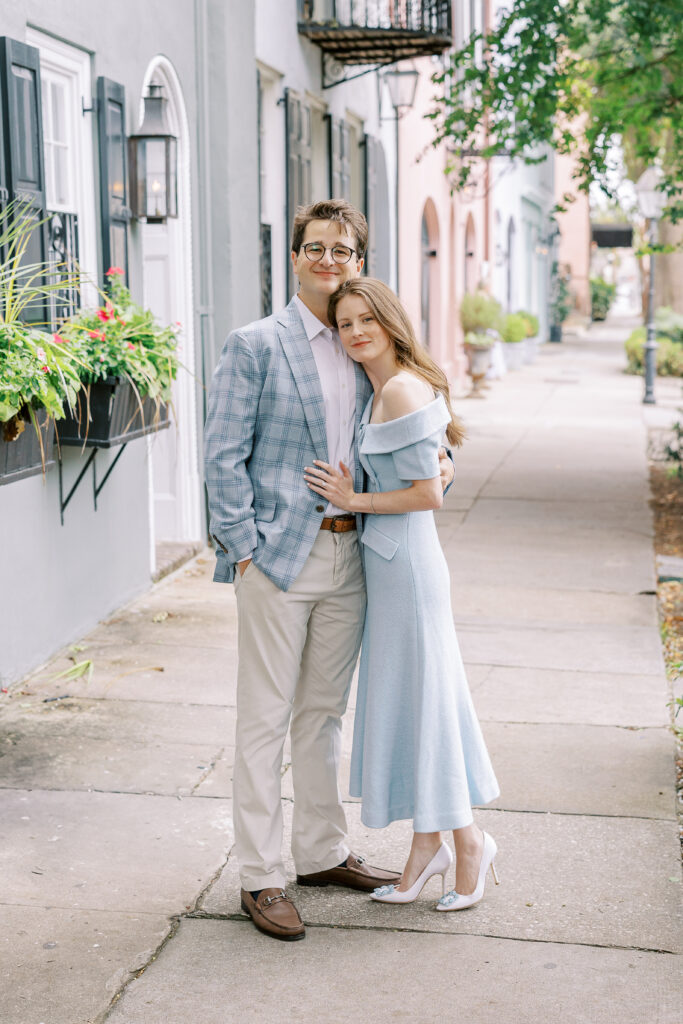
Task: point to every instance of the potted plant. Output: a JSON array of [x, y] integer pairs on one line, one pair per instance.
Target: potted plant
[[669, 334], [39, 373], [531, 340], [560, 302], [513, 332], [480, 317], [602, 294], [478, 346], [130, 363]]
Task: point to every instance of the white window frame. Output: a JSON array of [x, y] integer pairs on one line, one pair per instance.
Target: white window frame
[[72, 64], [273, 195]]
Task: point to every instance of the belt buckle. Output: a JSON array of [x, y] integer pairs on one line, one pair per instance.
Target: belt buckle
[[342, 519]]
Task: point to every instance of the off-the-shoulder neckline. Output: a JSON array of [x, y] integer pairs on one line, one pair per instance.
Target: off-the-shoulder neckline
[[407, 416]]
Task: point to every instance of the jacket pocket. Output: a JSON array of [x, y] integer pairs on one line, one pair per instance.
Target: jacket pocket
[[379, 542], [265, 513]]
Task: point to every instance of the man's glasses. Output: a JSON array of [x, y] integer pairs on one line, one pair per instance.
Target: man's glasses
[[315, 251]]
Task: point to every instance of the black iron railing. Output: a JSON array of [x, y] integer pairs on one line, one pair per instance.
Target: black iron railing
[[429, 16]]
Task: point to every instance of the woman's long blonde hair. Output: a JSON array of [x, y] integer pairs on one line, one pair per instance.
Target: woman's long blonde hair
[[390, 314]]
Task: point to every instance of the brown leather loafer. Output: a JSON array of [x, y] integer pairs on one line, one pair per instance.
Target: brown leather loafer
[[356, 874], [274, 914]]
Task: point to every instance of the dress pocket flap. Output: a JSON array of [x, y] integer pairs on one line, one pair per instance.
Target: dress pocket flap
[[379, 542]]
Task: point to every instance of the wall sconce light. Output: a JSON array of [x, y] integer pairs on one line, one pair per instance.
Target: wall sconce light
[[153, 163]]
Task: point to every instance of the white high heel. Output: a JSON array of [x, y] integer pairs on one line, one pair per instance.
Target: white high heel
[[438, 865], [453, 900]]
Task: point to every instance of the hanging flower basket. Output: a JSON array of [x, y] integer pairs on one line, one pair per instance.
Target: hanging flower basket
[[117, 415], [20, 452]]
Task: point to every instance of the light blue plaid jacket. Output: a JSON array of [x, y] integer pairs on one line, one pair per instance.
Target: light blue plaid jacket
[[266, 421]]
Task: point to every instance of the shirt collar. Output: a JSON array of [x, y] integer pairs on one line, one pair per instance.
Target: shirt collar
[[312, 325]]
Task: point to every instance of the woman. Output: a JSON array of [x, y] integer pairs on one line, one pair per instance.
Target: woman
[[418, 751]]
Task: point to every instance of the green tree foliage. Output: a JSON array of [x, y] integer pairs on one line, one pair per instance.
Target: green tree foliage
[[580, 76]]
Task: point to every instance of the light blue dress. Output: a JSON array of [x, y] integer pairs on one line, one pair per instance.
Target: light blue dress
[[418, 751]]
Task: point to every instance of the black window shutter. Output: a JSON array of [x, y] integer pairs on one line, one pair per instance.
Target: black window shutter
[[299, 163], [22, 173], [340, 162], [114, 212]]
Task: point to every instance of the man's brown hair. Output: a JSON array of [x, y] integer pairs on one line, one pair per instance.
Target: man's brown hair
[[335, 210]]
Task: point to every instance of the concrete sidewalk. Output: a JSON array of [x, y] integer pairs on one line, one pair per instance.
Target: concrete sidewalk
[[119, 895]]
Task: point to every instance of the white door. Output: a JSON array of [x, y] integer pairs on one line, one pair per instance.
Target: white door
[[161, 297], [175, 488]]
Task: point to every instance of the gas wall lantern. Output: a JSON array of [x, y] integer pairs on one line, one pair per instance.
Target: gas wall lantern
[[153, 163]]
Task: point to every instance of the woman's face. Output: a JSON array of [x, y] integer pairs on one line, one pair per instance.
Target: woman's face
[[362, 336]]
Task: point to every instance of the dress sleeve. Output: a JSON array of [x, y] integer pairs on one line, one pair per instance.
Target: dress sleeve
[[419, 461]]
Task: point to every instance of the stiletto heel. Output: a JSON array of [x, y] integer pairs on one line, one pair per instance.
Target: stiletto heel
[[438, 865], [453, 900]]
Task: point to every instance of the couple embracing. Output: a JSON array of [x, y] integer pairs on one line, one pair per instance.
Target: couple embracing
[[323, 466]]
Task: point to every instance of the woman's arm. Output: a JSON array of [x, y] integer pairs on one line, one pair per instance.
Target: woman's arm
[[337, 488], [400, 395]]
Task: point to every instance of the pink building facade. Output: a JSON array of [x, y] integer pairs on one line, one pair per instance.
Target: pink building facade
[[574, 243]]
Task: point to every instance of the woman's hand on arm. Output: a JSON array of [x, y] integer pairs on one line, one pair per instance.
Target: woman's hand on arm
[[446, 469]]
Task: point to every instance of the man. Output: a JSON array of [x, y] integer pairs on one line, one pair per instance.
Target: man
[[285, 393]]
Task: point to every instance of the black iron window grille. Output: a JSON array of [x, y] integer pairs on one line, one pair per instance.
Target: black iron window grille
[[62, 249]]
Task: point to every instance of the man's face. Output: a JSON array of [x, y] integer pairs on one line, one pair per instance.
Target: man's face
[[319, 280]]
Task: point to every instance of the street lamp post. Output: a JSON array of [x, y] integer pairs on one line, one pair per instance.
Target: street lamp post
[[402, 85], [651, 201]]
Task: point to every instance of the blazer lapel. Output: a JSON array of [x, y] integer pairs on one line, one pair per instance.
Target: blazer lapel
[[297, 349]]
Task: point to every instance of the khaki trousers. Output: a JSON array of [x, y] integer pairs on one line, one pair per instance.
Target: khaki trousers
[[297, 652]]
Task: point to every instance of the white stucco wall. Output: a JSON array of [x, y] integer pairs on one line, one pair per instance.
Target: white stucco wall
[[59, 581]]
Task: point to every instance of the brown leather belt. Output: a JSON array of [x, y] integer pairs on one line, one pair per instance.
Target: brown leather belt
[[338, 524]]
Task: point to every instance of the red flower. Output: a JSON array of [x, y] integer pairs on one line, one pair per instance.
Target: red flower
[[58, 341], [106, 313], [130, 345], [114, 271], [44, 369], [97, 335]]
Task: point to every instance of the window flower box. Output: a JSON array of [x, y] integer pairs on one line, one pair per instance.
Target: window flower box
[[109, 412], [22, 455]]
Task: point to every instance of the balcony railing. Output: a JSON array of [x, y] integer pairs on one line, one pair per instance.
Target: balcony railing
[[376, 31]]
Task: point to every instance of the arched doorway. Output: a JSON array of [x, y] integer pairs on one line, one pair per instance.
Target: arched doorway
[[429, 287], [175, 492]]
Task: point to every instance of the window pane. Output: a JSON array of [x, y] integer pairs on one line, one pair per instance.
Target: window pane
[[58, 112], [60, 189]]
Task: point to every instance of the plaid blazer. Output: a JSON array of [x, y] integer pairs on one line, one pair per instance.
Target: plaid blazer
[[266, 421]]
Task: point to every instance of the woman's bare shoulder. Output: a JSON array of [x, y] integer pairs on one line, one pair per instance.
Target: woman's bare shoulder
[[403, 394]]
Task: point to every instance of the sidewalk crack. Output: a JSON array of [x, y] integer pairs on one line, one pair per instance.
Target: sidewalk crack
[[174, 924]]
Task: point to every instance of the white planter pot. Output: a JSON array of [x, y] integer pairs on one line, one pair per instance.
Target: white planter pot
[[497, 369], [514, 354], [478, 360], [529, 349]]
